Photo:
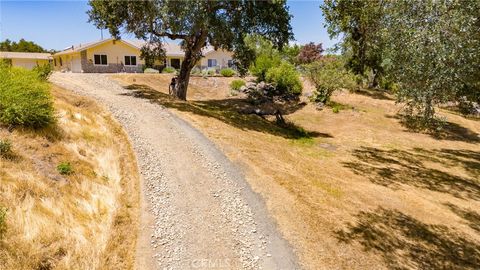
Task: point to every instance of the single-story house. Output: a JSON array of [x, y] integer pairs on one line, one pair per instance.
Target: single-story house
[[110, 55], [26, 59]]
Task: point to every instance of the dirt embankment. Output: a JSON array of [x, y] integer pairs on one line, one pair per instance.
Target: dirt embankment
[[80, 220]]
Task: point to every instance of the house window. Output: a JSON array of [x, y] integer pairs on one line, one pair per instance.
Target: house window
[[175, 63], [212, 62], [61, 62], [54, 61], [130, 60], [100, 59], [230, 63]]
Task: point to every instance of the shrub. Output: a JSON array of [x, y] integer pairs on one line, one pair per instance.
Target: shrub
[[210, 71], [24, 98], [328, 75], [150, 70], [169, 70], [286, 78], [5, 148], [196, 71], [3, 222], [335, 109], [263, 63], [237, 84], [44, 71], [227, 72], [65, 168]]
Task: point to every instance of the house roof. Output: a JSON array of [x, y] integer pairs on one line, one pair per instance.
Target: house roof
[[171, 49], [84, 46], [25, 55]]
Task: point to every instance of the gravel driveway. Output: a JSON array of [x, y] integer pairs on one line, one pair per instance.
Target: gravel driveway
[[198, 212]]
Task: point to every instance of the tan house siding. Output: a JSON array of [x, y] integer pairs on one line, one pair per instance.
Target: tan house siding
[[221, 56], [81, 58], [26, 59]]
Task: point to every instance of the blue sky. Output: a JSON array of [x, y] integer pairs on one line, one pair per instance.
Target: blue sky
[[59, 24]]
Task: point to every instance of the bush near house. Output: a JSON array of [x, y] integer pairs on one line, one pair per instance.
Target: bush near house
[[44, 71], [227, 72], [24, 98], [150, 70], [168, 70]]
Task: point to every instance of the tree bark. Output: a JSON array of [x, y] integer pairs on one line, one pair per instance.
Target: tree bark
[[184, 78], [192, 55]]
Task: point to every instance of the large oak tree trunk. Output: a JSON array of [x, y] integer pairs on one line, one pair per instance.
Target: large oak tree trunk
[[192, 55], [183, 79]]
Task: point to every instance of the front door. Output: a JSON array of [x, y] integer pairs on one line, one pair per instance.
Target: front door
[[175, 63]]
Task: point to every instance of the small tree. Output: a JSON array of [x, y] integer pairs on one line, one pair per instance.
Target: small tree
[[310, 52], [359, 24], [222, 24], [327, 75]]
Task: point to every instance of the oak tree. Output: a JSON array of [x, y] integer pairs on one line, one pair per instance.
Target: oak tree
[[222, 24]]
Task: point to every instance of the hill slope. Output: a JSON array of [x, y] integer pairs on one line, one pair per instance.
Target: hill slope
[[82, 220]]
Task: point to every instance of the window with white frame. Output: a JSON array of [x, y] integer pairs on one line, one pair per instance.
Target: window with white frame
[[130, 60], [212, 62], [100, 59]]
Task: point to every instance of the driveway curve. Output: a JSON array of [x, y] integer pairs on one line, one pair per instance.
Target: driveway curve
[[198, 212]]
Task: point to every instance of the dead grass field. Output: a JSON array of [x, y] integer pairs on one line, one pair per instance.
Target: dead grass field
[[86, 220], [355, 189]]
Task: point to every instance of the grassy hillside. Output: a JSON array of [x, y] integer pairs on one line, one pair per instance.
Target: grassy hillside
[[70, 191], [356, 190]]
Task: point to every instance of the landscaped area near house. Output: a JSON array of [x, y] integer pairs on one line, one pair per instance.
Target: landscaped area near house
[[357, 189], [235, 135]]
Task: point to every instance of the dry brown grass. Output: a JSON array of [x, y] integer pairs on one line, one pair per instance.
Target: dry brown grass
[[361, 192], [86, 220], [199, 88]]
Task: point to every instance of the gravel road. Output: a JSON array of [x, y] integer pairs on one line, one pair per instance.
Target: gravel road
[[198, 212]]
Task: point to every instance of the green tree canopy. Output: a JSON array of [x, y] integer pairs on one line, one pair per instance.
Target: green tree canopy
[[359, 24], [21, 46], [430, 49], [222, 24]]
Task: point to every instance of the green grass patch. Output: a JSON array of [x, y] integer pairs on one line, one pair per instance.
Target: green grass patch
[[65, 168], [337, 107], [303, 141], [3, 222]]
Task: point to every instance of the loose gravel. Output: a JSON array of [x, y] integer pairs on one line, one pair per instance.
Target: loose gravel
[[198, 210]]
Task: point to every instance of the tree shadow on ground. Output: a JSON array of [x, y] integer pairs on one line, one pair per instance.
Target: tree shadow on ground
[[228, 111], [449, 131], [393, 168], [376, 94], [472, 217], [406, 243]]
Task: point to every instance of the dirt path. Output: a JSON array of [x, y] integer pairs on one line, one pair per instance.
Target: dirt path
[[198, 211]]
